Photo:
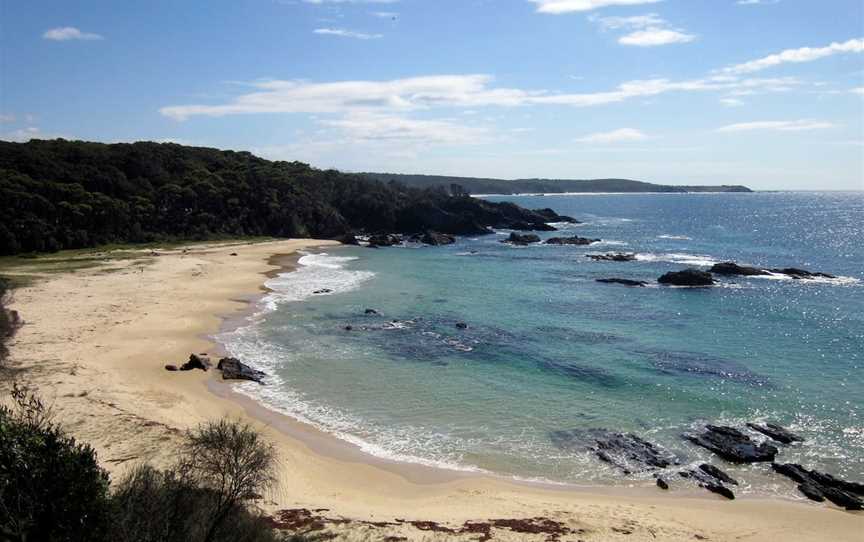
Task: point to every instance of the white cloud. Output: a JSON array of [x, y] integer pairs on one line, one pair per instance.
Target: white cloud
[[462, 91], [778, 126], [557, 7], [621, 135], [373, 127], [22, 135], [803, 54], [655, 36], [646, 30], [319, 2], [859, 91], [347, 33], [66, 33], [731, 102], [385, 14], [4, 119], [756, 2]]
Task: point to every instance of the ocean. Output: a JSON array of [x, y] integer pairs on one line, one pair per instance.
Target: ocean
[[547, 348]]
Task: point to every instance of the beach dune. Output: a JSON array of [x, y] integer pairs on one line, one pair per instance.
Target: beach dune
[[95, 343]]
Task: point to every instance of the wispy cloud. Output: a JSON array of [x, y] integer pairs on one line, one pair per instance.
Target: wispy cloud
[[778, 126], [371, 127], [803, 54], [341, 32], [350, 1], [621, 135], [436, 91], [385, 14], [756, 2], [858, 90], [4, 119], [557, 7], [66, 33], [645, 30], [731, 102]]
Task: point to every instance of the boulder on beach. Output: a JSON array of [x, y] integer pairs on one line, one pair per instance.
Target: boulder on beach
[[196, 362], [687, 277], [521, 239], [384, 240], [732, 445], [711, 478], [575, 240], [170, 367], [625, 282], [234, 369]]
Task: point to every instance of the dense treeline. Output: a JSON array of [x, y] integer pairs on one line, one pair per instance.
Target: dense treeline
[[475, 185], [62, 194]]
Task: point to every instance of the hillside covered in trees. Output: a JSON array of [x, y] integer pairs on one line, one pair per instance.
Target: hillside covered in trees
[[474, 185], [62, 194]]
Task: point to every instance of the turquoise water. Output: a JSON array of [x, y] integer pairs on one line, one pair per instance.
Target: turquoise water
[[547, 348]]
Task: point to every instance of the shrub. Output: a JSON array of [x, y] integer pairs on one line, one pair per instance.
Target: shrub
[[51, 487]]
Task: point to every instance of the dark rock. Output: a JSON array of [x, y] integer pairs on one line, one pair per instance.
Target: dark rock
[[626, 451], [688, 277], [733, 445], [776, 432], [461, 325], [612, 257], [662, 484], [831, 481], [801, 273], [322, 291], [371, 311], [720, 489], [196, 362], [234, 369], [821, 481], [552, 216], [625, 282], [575, 240], [732, 268], [349, 328], [170, 367], [521, 239], [434, 238], [233, 254], [812, 492], [793, 471], [711, 470], [348, 239], [384, 240], [842, 498]]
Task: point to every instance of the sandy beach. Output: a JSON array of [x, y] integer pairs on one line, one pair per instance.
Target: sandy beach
[[95, 343]]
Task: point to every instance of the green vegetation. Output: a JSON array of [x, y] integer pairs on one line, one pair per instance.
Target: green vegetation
[[62, 194], [474, 185], [9, 320], [52, 488]]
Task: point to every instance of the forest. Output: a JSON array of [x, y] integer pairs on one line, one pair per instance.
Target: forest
[[60, 194]]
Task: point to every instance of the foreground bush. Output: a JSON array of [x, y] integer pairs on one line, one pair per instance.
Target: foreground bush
[[51, 487]]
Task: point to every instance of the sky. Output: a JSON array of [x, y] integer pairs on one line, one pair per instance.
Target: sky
[[766, 93]]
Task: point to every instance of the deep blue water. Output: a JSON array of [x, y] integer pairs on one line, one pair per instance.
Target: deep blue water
[[547, 348]]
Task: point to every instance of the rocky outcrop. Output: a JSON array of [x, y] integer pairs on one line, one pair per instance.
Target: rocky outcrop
[[323, 291], [436, 239], [552, 216], [625, 282], [575, 240], [348, 239], [732, 268], [196, 362], [234, 369], [819, 486], [687, 277], [776, 432], [612, 257], [625, 451], [521, 239], [384, 240], [732, 445], [801, 273], [711, 478], [717, 473]]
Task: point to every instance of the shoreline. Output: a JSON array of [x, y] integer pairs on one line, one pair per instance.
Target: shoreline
[[95, 342]]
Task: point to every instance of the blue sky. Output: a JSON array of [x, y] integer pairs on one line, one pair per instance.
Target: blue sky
[[768, 93]]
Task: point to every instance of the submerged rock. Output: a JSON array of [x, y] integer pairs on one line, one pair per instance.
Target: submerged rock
[[801, 273], [625, 282], [521, 239], [620, 257], [732, 268], [435, 238], [733, 445], [234, 369], [687, 277], [575, 240], [625, 451], [776, 432], [711, 470], [323, 291], [371, 311]]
